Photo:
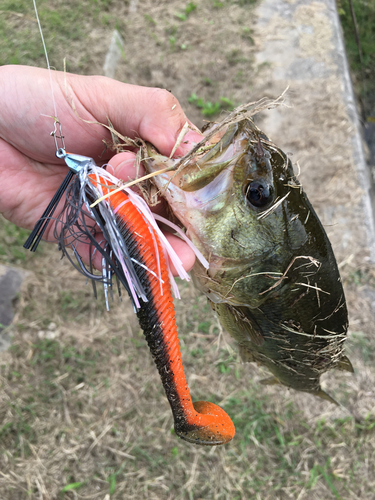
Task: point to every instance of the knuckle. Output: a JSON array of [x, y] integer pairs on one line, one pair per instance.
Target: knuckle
[[166, 101]]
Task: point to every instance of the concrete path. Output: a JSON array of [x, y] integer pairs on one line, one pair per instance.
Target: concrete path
[[301, 46]]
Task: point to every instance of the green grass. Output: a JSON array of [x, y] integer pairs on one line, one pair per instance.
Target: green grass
[[262, 426], [362, 277], [361, 344], [66, 23], [182, 16], [57, 394], [72, 486], [150, 19], [12, 239], [209, 108], [364, 75]]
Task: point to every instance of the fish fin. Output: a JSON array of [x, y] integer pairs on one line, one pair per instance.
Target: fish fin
[[323, 395], [345, 365], [270, 381], [240, 324], [255, 335], [246, 355], [247, 324]]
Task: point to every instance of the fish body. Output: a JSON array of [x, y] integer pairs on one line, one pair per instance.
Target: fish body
[[273, 279]]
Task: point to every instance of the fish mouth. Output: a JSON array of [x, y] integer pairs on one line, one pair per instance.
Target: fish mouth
[[211, 165], [202, 186], [199, 167], [204, 178]]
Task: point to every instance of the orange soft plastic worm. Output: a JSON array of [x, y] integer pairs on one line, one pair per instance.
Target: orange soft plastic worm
[[201, 422]]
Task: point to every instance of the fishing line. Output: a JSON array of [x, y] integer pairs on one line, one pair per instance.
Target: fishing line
[[48, 65], [37, 233]]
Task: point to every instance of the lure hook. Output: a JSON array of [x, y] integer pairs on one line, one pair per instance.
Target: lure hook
[[75, 163]]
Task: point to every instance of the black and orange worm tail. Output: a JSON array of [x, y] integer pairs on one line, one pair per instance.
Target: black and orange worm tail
[[201, 422]]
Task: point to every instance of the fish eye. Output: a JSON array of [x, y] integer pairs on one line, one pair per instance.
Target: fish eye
[[259, 193]]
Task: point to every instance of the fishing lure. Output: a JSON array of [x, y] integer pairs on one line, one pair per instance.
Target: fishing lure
[[136, 252]]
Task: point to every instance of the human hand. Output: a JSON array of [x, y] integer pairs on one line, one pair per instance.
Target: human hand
[[30, 171]]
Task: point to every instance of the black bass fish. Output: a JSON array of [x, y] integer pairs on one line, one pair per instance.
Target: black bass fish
[[272, 279]]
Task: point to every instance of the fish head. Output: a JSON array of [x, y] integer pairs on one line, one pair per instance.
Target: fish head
[[241, 206]]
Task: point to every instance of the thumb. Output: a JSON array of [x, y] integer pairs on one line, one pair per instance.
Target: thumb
[[163, 121], [153, 114]]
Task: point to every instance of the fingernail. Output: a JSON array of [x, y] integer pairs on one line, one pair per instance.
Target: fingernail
[[193, 136], [110, 169], [126, 170]]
